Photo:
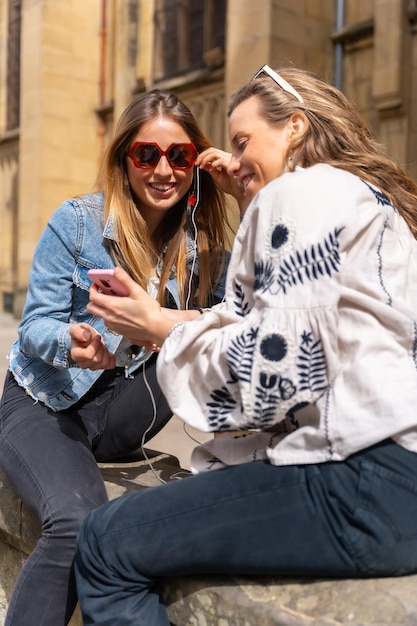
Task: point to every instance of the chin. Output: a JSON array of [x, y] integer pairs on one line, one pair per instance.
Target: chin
[[251, 192]]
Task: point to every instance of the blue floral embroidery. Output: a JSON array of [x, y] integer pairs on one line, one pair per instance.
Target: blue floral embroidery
[[272, 390], [415, 345], [214, 460], [220, 407], [286, 388], [264, 276], [280, 236], [239, 355], [311, 363], [242, 307], [380, 264], [266, 403], [320, 260], [273, 347], [380, 197], [291, 413]]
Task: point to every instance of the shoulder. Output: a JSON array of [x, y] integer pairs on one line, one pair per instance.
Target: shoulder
[[320, 179], [310, 203], [321, 190], [92, 202], [80, 207]]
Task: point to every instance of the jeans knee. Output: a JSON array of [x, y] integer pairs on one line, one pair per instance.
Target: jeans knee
[[66, 522]]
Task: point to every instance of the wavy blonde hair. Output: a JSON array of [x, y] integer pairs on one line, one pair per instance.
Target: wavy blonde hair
[[335, 134], [133, 250]]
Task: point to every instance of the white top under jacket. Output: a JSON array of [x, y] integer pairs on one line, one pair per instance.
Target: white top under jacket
[[314, 352]]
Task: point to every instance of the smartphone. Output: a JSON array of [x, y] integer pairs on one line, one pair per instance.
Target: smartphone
[[107, 283]]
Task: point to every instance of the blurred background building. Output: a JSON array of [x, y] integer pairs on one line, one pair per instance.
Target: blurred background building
[[68, 68]]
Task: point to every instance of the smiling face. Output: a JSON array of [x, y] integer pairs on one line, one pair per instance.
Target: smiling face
[[259, 149], [158, 189]]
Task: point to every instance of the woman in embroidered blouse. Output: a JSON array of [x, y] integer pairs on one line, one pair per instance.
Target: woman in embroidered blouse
[[76, 392], [314, 355]]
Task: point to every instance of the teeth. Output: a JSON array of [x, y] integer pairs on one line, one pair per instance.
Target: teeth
[[162, 187], [246, 180]]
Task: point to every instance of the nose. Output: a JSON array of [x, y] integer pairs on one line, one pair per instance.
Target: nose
[[233, 166], [163, 168]]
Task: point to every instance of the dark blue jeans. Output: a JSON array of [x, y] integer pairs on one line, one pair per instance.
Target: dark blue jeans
[[51, 460], [350, 519]]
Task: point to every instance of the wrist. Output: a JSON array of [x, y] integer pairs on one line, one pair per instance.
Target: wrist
[[162, 326], [180, 315]]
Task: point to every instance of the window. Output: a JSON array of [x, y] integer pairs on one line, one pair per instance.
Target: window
[[189, 35], [13, 65]]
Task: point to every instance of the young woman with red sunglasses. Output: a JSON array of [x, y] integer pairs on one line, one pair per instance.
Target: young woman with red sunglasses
[[166, 226]]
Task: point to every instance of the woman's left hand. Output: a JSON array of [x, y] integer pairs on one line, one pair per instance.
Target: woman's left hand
[[88, 349]]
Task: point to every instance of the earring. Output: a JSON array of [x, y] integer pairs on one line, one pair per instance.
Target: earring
[[192, 199], [194, 193]]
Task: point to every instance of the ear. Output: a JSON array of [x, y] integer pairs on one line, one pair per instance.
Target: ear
[[297, 125]]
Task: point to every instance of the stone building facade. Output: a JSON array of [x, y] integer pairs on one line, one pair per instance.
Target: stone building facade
[[68, 68]]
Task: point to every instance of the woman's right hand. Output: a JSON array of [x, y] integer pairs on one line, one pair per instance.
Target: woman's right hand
[[137, 316], [88, 349]]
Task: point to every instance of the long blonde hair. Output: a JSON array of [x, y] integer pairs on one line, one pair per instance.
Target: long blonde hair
[[336, 134], [132, 249]]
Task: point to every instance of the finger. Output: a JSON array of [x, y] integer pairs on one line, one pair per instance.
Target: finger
[[126, 280], [101, 358], [213, 158], [205, 159], [221, 161], [89, 353], [104, 361], [80, 332], [97, 309]]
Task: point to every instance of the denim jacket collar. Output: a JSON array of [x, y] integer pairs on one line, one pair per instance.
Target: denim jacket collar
[[110, 228]]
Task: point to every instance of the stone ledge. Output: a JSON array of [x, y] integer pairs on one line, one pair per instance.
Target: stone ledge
[[240, 601], [219, 600]]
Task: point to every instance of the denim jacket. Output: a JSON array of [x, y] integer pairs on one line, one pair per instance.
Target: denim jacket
[[74, 241]]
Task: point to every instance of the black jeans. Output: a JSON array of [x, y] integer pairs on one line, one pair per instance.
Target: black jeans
[[51, 460], [353, 518]]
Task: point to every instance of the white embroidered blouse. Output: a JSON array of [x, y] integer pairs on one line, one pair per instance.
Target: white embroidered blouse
[[314, 352]]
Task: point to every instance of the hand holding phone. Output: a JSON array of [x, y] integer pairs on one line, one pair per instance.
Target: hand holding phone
[[107, 283]]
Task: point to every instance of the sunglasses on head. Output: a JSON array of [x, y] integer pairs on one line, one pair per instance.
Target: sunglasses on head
[[145, 155], [265, 69]]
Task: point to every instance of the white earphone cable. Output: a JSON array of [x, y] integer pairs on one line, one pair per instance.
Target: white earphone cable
[[187, 303]]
